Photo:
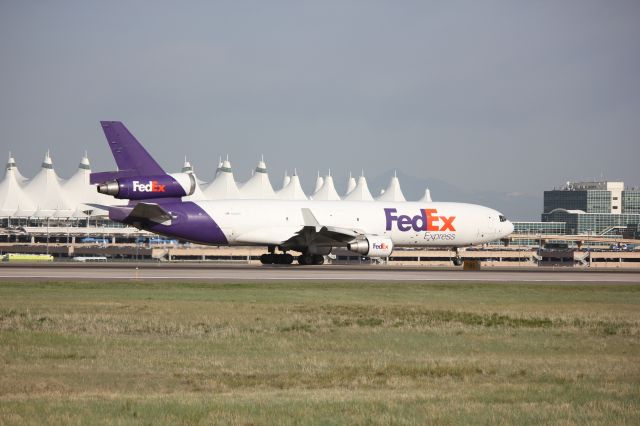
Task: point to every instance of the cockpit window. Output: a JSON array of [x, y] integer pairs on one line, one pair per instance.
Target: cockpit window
[[503, 218]]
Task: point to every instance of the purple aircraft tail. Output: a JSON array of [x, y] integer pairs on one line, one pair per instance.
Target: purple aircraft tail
[[155, 197], [131, 157]]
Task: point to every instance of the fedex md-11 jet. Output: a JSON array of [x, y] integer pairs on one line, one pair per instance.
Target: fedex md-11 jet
[[311, 228]]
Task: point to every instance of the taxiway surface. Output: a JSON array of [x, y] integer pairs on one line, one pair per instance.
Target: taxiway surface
[[236, 273]]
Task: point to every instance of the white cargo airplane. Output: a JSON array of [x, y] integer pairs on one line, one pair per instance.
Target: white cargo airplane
[[312, 228]]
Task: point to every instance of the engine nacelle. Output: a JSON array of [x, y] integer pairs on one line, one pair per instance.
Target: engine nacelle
[[372, 246], [145, 187]]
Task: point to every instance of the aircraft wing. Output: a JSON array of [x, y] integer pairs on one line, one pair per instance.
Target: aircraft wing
[[314, 233]]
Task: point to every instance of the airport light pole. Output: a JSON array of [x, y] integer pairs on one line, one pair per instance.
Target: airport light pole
[[540, 250], [47, 234], [588, 245]]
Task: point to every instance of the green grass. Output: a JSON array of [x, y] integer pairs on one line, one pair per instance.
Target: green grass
[[318, 353]]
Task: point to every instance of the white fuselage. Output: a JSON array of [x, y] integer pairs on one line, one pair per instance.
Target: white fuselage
[[408, 224]]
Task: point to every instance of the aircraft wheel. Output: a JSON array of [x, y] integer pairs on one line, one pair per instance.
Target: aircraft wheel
[[287, 259], [266, 259], [457, 261], [318, 259], [305, 259]]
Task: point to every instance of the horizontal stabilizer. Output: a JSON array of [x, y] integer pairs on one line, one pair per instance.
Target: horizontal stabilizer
[[98, 206], [141, 211], [150, 211]]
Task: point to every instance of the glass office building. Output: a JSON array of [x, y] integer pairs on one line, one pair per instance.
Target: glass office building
[[585, 208], [598, 208], [631, 201], [578, 222], [590, 197], [539, 228]]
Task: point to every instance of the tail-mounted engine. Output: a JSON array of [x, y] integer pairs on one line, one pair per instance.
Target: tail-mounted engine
[[372, 246], [146, 187]]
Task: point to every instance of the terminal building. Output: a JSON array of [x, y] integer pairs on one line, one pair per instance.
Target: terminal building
[[596, 208], [49, 214]]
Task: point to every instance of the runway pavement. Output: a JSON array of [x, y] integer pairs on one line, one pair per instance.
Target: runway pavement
[[237, 273]]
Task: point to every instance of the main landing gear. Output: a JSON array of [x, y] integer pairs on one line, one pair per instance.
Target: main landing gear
[[287, 259], [277, 259], [310, 259]]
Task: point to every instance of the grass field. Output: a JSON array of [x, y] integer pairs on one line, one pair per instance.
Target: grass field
[[319, 353]]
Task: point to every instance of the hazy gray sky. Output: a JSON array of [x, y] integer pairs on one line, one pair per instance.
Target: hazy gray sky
[[515, 96]]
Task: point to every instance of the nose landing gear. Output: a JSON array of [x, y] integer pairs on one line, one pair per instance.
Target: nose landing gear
[[457, 261]]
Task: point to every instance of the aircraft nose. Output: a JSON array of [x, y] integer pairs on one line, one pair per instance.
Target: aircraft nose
[[509, 227]]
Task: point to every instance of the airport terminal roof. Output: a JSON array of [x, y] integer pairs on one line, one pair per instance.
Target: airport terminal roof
[[351, 184], [360, 192], [293, 190], [79, 191], [393, 191], [48, 196], [224, 185], [327, 191], [426, 198], [318, 185], [13, 200], [45, 191], [258, 187]]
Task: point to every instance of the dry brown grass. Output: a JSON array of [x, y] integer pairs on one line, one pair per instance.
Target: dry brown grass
[[119, 353]]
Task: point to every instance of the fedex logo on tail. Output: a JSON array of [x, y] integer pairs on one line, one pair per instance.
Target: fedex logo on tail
[[427, 220], [152, 186]]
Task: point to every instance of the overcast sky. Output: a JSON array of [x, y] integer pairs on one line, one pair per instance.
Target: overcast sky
[[513, 96]]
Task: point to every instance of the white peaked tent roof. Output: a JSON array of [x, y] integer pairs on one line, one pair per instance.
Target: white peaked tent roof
[[319, 183], [426, 198], [46, 192], [351, 185], [293, 190], [393, 191], [258, 186], [11, 163], [285, 180], [79, 191], [198, 194], [224, 185], [360, 192], [219, 167], [327, 191], [13, 200], [188, 168]]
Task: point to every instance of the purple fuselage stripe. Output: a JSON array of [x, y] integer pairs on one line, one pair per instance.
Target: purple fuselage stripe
[[190, 223]]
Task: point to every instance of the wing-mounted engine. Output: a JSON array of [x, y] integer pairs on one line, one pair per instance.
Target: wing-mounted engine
[[372, 246], [173, 185]]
